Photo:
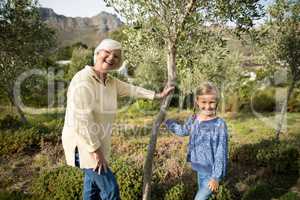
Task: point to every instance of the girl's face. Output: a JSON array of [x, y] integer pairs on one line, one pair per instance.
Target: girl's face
[[207, 104]]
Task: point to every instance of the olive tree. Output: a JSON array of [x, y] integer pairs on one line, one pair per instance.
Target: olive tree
[[168, 20], [281, 42], [24, 39]]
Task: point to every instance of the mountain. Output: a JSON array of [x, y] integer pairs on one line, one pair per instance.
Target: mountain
[[88, 30]]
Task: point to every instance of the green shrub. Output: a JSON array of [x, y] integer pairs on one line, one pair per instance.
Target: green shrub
[[245, 154], [10, 122], [176, 192], [294, 102], [60, 183], [142, 107], [80, 58], [290, 196], [281, 158], [180, 191], [260, 191], [264, 101], [17, 141], [15, 195], [222, 194], [129, 178], [134, 130], [55, 125]]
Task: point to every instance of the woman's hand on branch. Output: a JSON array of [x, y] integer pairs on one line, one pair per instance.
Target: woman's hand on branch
[[167, 90]]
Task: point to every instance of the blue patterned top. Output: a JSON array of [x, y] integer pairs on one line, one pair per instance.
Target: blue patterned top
[[208, 144]]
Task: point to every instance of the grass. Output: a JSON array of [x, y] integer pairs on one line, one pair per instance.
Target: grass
[[17, 170]]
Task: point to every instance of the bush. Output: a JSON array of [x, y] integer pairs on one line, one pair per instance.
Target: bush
[[179, 192], [10, 122], [264, 101], [55, 125], [222, 194], [245, 154], [290, 196], [280, 157], [80, 58], [129, 178], [176, 192], [260, 191], [294, 102], [136, 131], [14, 142], [142, 107], [15, 195], [60, 183]]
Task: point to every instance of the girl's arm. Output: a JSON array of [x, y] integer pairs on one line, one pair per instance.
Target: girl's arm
[[178, 129], [220, 164]]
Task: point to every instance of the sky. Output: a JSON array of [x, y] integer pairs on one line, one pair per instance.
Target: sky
[[85, 8], [76, 8]]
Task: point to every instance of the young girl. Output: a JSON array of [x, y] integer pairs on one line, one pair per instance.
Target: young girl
[[208, 140]]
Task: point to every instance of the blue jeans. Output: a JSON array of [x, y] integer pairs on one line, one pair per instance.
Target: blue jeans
[[203, 190], [96, 186], [102, 186]]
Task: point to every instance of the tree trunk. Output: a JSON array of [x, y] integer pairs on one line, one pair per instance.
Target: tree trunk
[[159, 119], [223, 103], [283, 109], [19, 110], [235, 105], [181, 101]]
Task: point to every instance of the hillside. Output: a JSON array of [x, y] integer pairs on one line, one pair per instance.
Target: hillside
[[80, 29]]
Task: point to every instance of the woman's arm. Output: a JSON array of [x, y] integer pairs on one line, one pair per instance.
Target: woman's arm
[[167, 90], [126, 89]]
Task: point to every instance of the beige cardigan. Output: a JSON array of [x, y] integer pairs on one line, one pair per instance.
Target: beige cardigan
[[90, 112]]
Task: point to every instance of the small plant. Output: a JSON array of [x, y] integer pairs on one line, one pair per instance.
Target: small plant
[[222, 194], [290, 196], [10, 122], [264, 101], [17, 141], [176, 192], [280, 158], [142, 107], [15, 195], [60, 183], [129, 178], [260, 191]]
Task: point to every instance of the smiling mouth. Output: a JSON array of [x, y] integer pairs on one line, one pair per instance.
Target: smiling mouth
[[108, 63]]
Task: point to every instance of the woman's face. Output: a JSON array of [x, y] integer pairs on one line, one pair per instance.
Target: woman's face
[[108, 59], [207, 104]]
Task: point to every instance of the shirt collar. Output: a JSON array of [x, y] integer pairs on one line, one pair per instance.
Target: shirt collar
[[95, 76]]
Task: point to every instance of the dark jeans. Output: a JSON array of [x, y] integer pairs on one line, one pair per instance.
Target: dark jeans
[[96, 186]]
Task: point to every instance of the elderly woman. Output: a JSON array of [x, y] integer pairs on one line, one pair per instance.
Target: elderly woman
[[91, 109]]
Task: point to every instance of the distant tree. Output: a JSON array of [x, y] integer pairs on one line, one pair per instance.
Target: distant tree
[[118, 34], [65, 53], [80, 58], [281, 42], [24, 40]]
